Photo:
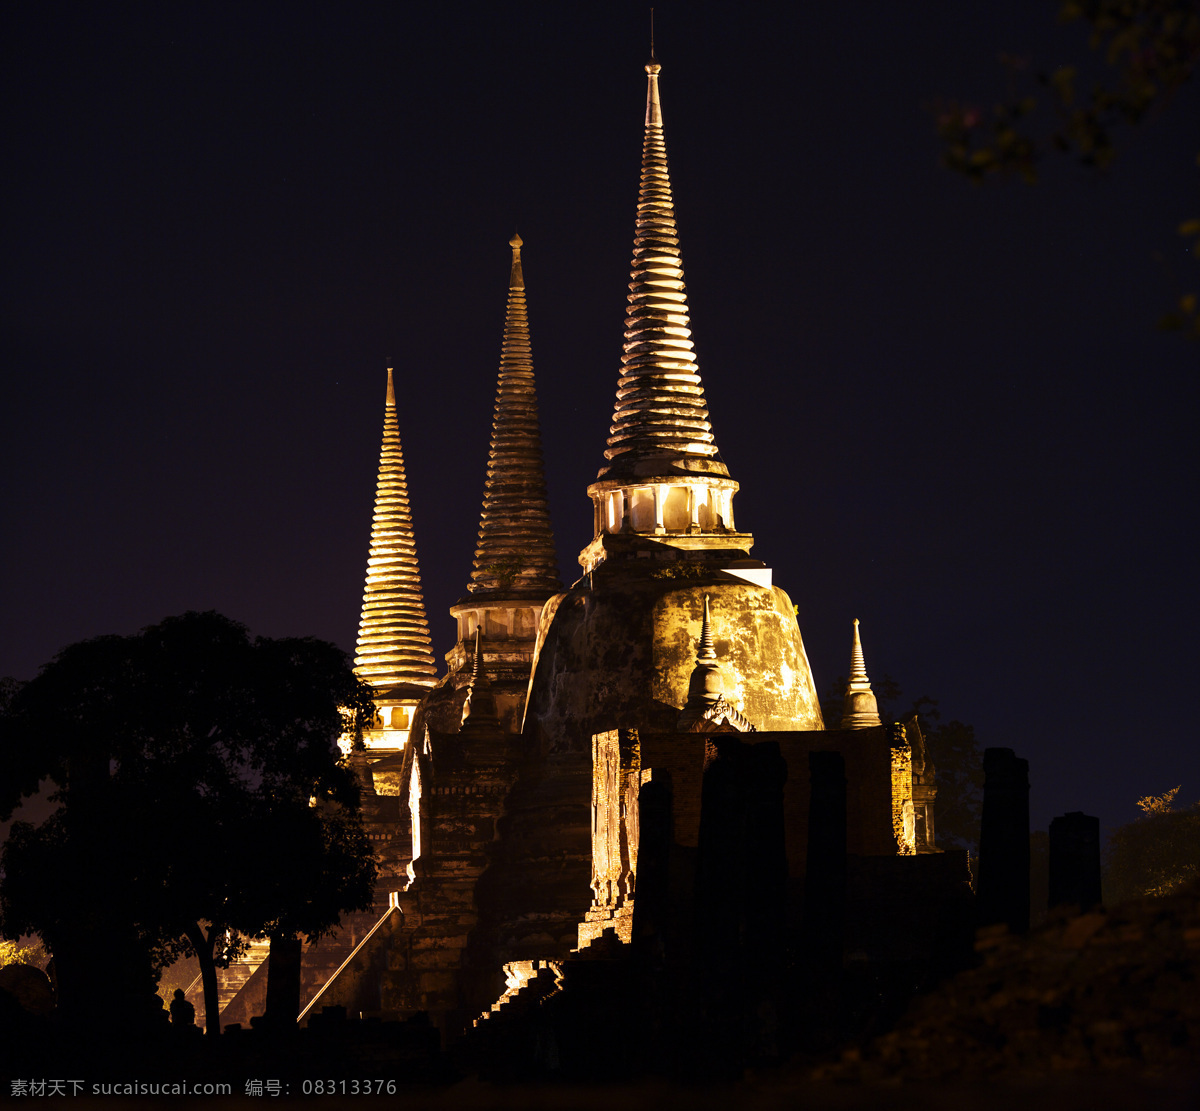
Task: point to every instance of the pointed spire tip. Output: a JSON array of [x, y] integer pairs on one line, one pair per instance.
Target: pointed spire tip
[[516, 276]]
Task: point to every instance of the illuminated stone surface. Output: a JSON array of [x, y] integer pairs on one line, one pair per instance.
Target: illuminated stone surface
[[706, 709], [616, 781], [924, 787], [460, 784], [617, 649], [479, 709], [903, 816]]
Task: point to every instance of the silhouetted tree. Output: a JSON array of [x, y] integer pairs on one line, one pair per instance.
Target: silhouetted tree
[[1155, 854], [1151, 49], [204, 800]]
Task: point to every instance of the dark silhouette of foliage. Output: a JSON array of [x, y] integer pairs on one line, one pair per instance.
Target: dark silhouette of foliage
[[1156, 854], [1150, 48], [203, 800]]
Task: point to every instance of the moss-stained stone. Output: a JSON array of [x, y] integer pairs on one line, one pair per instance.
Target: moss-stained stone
[[617, 649]]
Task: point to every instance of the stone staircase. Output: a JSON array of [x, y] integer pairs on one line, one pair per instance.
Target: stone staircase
[[528, 984], [518, 1037], [230, 980]]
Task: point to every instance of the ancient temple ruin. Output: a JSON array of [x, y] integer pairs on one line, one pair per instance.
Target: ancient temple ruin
[[616, 780]]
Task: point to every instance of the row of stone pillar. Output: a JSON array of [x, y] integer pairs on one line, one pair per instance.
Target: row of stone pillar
[[1002, 878], [1002, 886]]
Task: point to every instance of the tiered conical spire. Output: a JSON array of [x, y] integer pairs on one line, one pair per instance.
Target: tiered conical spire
[[706, 708], [479, 707], [515, 557], [859, 709], [393, 635], [661, 417], [706, 684]]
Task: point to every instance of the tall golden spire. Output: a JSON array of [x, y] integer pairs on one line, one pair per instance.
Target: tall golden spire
[[859, 709], [660, 417], [515, 558], [663, 477], [393, 634]]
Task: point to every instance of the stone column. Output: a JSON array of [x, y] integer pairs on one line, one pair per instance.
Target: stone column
[[283, 982], [1075, 861], [1002, 893], [825, 867]]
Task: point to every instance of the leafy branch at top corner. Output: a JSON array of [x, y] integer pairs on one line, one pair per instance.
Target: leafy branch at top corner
[[1159, 804], [1151, 48]]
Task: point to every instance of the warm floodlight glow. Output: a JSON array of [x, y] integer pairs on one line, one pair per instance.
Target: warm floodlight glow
[[904, 825]]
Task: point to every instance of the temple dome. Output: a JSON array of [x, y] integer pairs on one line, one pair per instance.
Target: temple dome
[[618, 649]]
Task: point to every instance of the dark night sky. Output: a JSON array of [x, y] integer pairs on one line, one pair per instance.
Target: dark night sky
[[948, 407]]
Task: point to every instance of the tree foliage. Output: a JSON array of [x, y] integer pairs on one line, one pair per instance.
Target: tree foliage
[[951, 746], [203, 798], [33, 954], [1149, 48], [1156, 854], [1159, 804]]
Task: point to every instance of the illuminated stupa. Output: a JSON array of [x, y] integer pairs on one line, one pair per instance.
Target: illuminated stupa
[[515, 569], [664, 476], [859, 709], [393, 652], [616, 650]]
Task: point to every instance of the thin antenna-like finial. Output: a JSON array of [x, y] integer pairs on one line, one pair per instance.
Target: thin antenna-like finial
[[479, 707], [858, 667], [652, 34], [705, 651], [477, 664]]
